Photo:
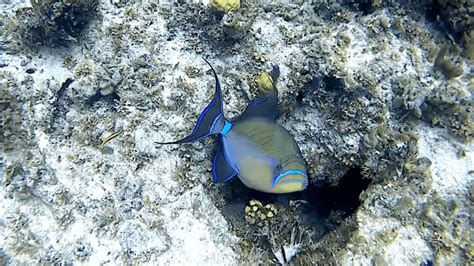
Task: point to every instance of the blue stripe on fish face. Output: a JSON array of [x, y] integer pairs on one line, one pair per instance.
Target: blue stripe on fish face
[[289, 172]]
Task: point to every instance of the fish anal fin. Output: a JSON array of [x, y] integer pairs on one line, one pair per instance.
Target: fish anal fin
[[221, 170]]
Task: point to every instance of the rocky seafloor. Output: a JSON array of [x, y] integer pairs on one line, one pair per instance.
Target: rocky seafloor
[[378, 95]]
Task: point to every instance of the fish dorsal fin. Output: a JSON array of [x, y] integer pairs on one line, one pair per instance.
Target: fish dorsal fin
[[266, 107], [221, 169]]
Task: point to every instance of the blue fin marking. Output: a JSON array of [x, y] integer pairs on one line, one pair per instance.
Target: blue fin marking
[[217, 119], [227, 127]]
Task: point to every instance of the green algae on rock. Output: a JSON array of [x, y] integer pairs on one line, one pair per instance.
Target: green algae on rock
[[450, 106], [449, 69]]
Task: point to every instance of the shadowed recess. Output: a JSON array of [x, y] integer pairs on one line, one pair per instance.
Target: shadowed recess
[[343, 198], [60, 105], [332, 83], [319, 202], [111, 98]]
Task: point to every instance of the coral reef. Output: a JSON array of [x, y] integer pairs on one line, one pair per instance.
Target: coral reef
[[375, 93], [52, 22], [449, 69], [456, 17]]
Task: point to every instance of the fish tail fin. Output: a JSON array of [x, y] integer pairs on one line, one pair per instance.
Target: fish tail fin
[[211, 119]]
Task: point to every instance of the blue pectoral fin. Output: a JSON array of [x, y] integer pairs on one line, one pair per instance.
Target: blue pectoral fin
[[209, 118], [221, 169]]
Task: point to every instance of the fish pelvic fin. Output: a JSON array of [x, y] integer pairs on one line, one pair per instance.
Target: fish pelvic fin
[[211, 119]]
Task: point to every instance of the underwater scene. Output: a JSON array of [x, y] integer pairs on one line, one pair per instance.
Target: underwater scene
[[233, 132]]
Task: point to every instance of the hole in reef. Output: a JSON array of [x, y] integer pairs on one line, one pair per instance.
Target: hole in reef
[[366, 8], [433, 11], [322, 202], [311, 87], [342, 198], [111, 98], [332, 83]]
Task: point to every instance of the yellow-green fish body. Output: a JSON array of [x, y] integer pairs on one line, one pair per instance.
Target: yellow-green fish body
[[265, 155]]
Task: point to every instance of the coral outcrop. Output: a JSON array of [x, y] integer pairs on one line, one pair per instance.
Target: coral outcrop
[[377, 95]]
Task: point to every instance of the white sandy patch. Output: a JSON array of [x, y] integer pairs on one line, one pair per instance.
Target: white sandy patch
[[450, 170]]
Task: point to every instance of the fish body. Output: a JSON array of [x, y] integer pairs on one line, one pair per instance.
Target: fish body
[[260, 151], [253, 147], [109, 138]]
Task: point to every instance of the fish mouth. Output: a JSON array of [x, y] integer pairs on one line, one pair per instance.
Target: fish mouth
[[304, 182]]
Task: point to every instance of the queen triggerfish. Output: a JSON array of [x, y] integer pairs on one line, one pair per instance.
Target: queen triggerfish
[[252, 146]]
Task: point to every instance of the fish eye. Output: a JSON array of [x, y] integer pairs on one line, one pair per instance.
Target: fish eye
[[279, 166], [278, 169]]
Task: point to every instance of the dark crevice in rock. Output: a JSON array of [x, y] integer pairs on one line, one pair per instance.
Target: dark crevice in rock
[[343, 198], [111, 98], [60, 105], [332, 83], [322, 207]]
